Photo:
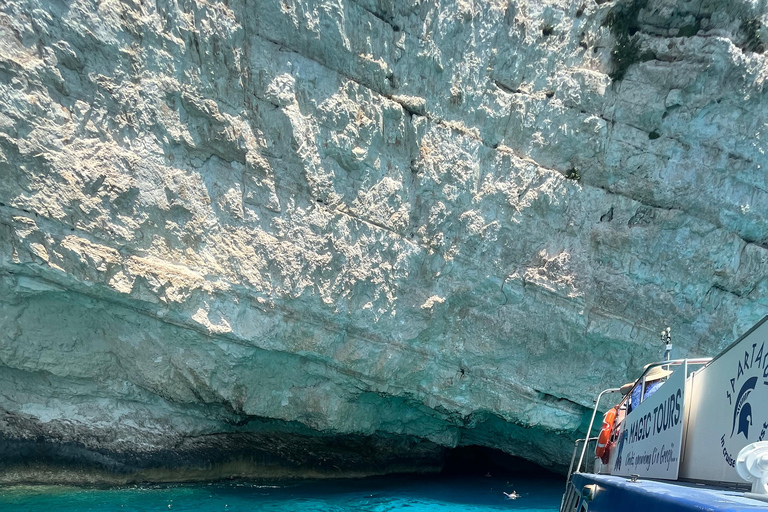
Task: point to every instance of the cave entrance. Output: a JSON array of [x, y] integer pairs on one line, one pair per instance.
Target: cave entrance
[[481, 461]]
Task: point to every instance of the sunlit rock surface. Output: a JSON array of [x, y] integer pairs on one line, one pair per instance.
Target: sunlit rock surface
[[270, 237]]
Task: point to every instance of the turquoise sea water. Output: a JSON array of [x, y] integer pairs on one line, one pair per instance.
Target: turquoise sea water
[[378, 494]]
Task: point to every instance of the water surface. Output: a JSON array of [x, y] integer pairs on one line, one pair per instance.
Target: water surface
[[377, 494]]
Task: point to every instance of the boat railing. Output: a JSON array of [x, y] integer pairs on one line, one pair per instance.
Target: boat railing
[[585, 441], [639, 382], [573, 457]]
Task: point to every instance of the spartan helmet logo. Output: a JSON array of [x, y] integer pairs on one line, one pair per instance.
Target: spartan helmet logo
[[742, 413]]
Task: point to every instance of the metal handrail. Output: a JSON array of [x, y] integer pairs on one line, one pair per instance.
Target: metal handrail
[[591, 422], [573, 457]]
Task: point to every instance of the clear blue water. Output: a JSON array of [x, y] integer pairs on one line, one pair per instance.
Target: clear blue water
[[378, 494]]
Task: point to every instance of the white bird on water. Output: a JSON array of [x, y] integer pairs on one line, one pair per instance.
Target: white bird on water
[[511, 495]]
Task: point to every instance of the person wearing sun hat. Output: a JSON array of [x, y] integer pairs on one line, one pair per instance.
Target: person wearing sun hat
[[653, 381]]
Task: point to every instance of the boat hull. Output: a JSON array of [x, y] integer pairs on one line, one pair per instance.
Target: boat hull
[[612, 493]]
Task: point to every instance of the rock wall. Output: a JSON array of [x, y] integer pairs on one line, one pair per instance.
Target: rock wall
[[280, 227]]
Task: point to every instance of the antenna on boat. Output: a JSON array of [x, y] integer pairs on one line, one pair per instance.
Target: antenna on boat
[[667, 340]]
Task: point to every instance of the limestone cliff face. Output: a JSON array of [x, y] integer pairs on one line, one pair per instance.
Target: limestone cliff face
[[333, 227]]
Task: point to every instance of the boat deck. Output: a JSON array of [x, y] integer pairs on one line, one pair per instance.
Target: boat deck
[[619, 493]]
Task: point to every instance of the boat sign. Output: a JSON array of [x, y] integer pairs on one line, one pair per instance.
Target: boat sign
[[729, 408], [649, 438]]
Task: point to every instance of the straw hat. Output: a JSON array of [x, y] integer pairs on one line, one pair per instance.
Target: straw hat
[[656, 373], [626, 388]]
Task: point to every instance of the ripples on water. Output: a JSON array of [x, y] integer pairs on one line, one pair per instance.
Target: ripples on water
[[378, 494]]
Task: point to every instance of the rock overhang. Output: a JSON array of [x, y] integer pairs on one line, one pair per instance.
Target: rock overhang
[[445, 223]]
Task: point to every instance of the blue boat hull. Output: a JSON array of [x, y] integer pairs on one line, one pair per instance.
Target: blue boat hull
[[612, 493]]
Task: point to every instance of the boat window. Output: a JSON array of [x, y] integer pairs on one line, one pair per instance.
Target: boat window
[[576, 499], [573, 500]]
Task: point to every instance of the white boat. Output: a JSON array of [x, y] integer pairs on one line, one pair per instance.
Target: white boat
[[689, 434]]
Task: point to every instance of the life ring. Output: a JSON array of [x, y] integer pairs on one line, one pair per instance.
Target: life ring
[[605, 432]]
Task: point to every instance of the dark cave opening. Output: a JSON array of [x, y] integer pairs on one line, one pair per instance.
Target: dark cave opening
[[483, 461]]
